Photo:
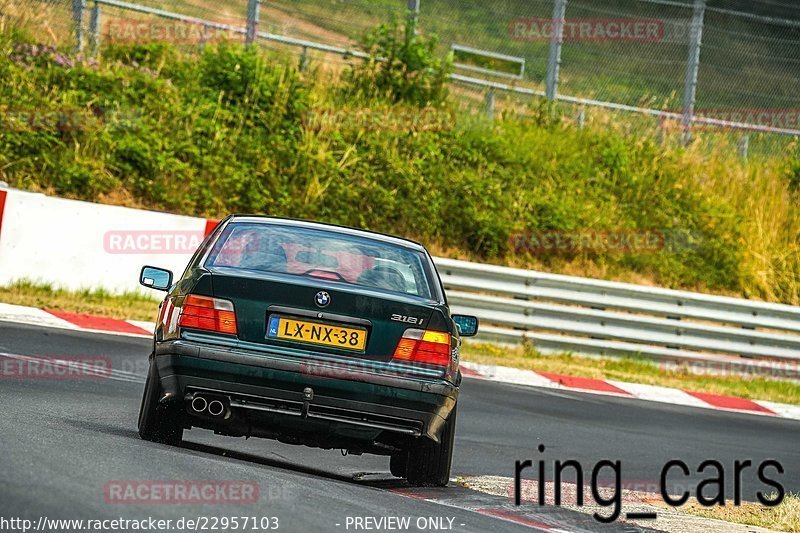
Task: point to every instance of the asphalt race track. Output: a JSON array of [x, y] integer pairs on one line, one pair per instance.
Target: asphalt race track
[[63, 440]]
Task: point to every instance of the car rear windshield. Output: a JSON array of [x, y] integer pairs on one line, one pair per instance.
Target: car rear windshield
[[322, 254]]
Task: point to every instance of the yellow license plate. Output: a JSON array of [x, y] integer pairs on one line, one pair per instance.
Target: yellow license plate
[[317, 333]]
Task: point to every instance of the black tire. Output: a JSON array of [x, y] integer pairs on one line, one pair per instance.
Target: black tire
[[157, 422], [398, 464], [429, 462]]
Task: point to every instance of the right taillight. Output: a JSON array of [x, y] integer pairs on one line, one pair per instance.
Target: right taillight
[[420, 346], [211, 314]]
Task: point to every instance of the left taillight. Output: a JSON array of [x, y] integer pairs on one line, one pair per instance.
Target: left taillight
[[211, 314], [420, 346]]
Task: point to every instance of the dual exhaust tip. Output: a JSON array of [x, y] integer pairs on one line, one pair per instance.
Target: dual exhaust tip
[[209, 406]]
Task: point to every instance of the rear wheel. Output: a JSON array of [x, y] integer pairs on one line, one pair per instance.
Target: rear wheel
[[398, 464], [429, 462], [158, 422]]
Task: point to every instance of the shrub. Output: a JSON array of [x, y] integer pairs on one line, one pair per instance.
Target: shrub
[[401, 68]]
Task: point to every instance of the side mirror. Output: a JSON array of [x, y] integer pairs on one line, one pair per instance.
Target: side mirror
[[156, 278], [467, 325]]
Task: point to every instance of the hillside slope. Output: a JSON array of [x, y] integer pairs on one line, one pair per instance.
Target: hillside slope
[[226, 130]]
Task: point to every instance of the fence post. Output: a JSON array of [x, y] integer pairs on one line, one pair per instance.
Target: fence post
[[413, 17], [488, 102], [303, 59], [94, 28], [744, 145], [692, 67], [661, 130], [252, 21], [554, 59], [201, 43], [77, 22]]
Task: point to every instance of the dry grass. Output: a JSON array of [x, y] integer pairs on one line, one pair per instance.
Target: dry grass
[[52, 22], [756, 189], [784, 517], [771, 259], [633, 371]]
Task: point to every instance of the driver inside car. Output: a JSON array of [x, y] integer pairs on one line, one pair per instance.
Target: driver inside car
[[263, 252]]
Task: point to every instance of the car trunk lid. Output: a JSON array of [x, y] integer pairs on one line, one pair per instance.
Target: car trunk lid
[[298, 314]]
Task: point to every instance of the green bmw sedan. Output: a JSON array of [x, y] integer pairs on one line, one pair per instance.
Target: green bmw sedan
[[310, 334]]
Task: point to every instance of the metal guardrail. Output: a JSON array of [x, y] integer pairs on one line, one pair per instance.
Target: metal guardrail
[[520, 61], [564, 313]]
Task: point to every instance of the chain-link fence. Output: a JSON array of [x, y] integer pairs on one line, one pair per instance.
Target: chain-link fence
[[724, 61], [750, 62], [731, 64]]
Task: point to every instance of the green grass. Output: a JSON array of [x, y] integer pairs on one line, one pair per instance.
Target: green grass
[[784, 517], [634, 371], [127, 306]]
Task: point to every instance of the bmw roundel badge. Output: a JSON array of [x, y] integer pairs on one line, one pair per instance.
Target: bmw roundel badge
[[322, 299]]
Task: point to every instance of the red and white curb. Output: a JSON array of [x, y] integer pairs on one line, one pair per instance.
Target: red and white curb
[[623, 389], [53, 318], [79, 322]]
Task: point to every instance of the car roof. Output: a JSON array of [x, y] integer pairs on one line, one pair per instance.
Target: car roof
[[333, 228]]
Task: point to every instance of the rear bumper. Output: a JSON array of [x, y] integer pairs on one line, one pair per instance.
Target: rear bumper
[[269, 395]]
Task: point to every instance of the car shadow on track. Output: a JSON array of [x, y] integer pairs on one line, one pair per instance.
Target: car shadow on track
[[454, 495], [383, 480], [100, 427]]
